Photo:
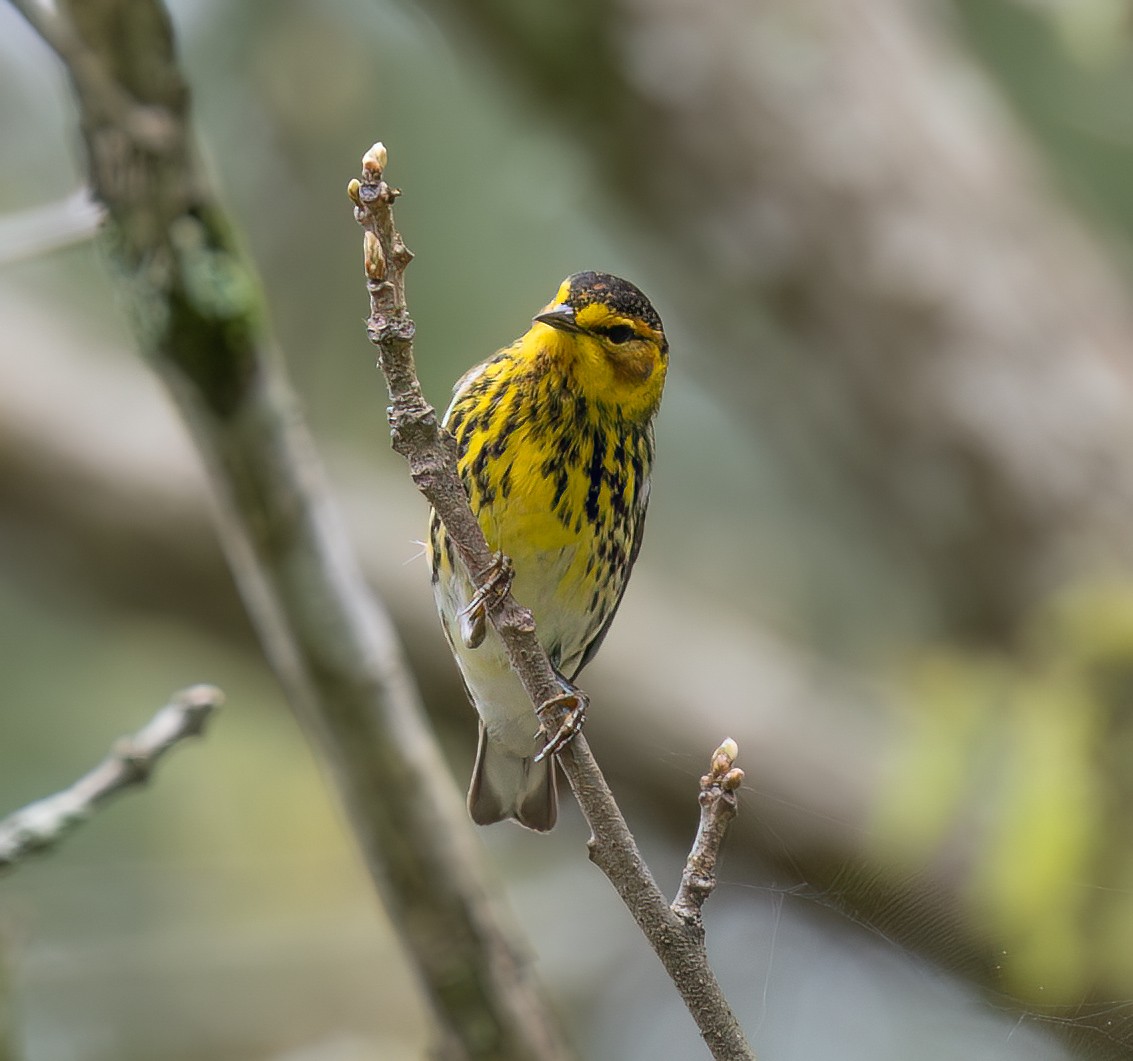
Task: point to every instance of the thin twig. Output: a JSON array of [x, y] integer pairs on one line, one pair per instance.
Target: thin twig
[[431, 453], [718, 806], [42, 824]]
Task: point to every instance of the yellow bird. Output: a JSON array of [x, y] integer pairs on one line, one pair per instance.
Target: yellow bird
[[555, 436]]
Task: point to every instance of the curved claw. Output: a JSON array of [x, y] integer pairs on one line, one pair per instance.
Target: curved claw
[[575, 702], [474, 615]]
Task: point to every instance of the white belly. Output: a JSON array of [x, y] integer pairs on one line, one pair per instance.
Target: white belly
[[496, 691]]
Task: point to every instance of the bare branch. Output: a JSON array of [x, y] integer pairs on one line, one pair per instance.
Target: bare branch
[[431, 454], [718, 807], [42, 824]]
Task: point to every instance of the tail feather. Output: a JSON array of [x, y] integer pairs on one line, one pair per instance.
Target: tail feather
[[509, 786]]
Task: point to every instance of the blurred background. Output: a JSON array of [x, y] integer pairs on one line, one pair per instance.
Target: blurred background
[[889, 545]]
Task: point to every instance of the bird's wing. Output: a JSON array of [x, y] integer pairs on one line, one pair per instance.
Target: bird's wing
[[635, 547]]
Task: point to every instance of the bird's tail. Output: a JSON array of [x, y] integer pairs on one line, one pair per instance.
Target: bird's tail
[[510, 786]]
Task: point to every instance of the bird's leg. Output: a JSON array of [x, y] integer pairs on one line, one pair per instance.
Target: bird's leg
[[562, 717], [474, 615]]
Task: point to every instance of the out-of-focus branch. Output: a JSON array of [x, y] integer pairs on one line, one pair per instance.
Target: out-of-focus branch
[[877, 270], [431, 454], [334, 651], [42, 229], [42, 824]]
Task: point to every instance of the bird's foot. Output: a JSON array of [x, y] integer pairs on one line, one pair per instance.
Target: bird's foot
[[562, 717], [474, 615]]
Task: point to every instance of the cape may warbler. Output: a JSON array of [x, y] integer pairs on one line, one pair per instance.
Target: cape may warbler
[[555, 435]]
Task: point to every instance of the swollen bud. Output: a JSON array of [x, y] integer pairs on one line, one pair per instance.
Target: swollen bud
[[374, 161], [373, 258]]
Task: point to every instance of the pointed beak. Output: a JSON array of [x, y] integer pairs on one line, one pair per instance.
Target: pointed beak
[[561, 317]]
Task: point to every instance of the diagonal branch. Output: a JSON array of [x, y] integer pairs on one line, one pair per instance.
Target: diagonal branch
[[431, 453], [42, 824]]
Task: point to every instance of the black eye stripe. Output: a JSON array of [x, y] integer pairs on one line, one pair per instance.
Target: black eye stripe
[[618, 333]]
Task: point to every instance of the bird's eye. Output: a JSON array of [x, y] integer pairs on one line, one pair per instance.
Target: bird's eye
[[619, 333]]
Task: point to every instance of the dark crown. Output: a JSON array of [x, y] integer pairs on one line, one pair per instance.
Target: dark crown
[[620, 295]]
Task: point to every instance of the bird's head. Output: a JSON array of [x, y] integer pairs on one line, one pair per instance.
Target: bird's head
[[610, 337]]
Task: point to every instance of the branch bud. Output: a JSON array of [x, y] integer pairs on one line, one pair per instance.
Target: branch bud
[[374, 161], [723, 758], [372, 256]]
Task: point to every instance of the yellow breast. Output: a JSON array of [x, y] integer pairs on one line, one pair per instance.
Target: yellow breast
[[558, 482]]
